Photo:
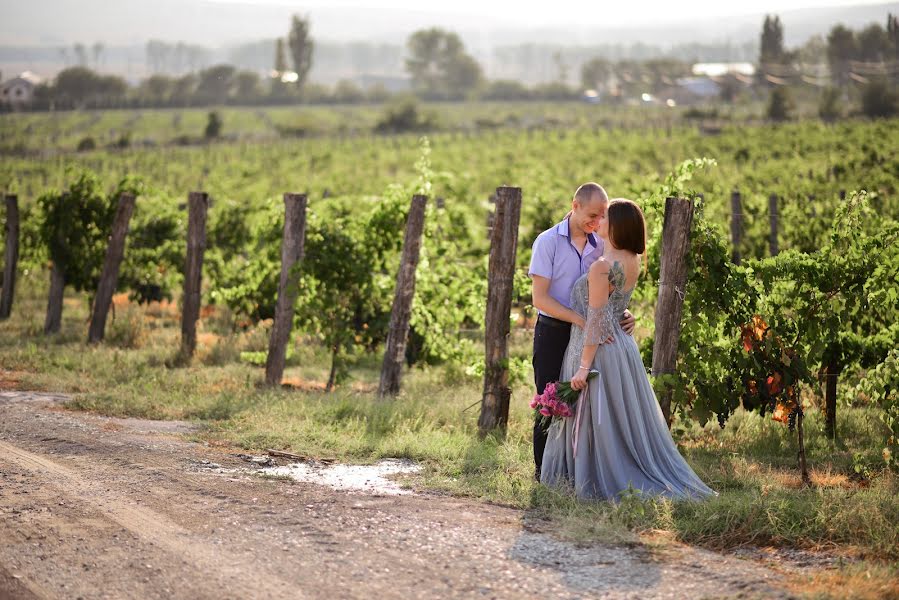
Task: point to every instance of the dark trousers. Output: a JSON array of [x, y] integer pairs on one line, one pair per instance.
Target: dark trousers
[[550, 341]]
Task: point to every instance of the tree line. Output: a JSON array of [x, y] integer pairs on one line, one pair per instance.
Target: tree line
[[439, 67]]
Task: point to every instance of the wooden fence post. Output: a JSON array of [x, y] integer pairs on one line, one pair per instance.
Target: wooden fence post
[[736, 225], [831, 375], [10, 256], [53, 321], [401, 312], [773, 245], [672, 287], [501, 270], [292, 246], [197, 204], [115, 252]]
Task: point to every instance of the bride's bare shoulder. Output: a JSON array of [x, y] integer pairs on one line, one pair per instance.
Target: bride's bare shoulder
[[600, 266]]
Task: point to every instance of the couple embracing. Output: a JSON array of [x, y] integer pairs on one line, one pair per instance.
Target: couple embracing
[[584, 270]]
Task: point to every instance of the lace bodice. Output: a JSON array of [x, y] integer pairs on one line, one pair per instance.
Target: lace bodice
[[602, 322]]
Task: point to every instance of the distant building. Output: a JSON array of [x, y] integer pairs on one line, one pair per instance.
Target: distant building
[[719, 69], [19, 91]]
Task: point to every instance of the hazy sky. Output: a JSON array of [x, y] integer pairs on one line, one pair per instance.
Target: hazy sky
[[579, 12]]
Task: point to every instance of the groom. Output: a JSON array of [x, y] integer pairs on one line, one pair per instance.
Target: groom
[[560, 256]]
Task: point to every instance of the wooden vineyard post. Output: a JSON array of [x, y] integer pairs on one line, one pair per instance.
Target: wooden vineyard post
[[10, 255], [773, 245], [501, 272], [736, 226], [53, 321], [401, 312], [292, 246], [672, 286], [831, 375], [115, 252], [197, 205]]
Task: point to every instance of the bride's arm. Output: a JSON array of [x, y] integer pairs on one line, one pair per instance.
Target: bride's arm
[[598, 288]]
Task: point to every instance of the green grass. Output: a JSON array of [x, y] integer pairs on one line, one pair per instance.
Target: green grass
[[751, 462]]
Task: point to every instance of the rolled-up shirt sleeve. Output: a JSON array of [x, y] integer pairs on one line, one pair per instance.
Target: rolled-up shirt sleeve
[[542, 257]]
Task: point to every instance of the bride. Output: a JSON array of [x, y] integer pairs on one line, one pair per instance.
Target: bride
[[618, 437]]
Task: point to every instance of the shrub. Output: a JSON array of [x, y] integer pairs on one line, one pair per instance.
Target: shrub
[[86, 144], [780, 104], [879, 100]]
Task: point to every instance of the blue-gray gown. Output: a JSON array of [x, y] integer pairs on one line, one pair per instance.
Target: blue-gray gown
[[622, 439]]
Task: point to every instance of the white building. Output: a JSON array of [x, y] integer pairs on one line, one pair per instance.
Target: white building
[[19, 91]]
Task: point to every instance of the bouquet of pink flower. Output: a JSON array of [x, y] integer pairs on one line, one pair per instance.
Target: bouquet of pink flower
[[557, 400]]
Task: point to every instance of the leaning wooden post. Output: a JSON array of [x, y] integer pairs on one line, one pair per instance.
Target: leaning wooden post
[[401, 313], [115, 252], [736, 226], [672, 287], [198, 203], [292, 245], [773, 245], [10, 256], [501, 272]]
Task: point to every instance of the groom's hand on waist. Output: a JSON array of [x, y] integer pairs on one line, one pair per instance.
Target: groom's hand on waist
[[628, 322]]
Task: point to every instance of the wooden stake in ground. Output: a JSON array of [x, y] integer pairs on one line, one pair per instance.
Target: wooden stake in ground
[[773, 245], [672, 287], [736, 226], [110, 276], [831, 376], [503, 246], [10, 256], [53, 321], [401, 312], [197, 205], [292, 245]]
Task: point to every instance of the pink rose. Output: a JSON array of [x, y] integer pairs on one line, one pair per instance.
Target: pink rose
[[535, 402], [545, 412]]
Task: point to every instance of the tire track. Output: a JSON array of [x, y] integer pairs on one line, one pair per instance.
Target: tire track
[[152, 527]]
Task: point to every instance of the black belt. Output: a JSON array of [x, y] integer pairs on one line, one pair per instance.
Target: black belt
[[552, 321]]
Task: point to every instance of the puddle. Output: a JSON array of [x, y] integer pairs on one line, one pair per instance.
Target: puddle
[[364, 478]]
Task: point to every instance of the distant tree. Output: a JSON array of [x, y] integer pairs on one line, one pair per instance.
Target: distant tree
[[893, 34], [595, 74], [183, 89], [301, 47], [813, 51], [215, 84], [874, 44], [842, 46], [157, 55], [80, 54], [347, 92], [771, 46], [80, 86], [829, 107], [780, 104], [561, 67], [662, 72], [247, 86], [505, 89], [97, 50], [280, 57], [279, 88], [156, 89], [439, 65]]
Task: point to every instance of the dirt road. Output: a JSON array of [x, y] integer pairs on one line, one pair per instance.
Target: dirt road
[[94, 507]]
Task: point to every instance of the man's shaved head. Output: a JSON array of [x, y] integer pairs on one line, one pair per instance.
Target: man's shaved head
[[589, 192]]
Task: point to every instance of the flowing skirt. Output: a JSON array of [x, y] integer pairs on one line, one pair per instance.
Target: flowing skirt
[[621, 436]]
